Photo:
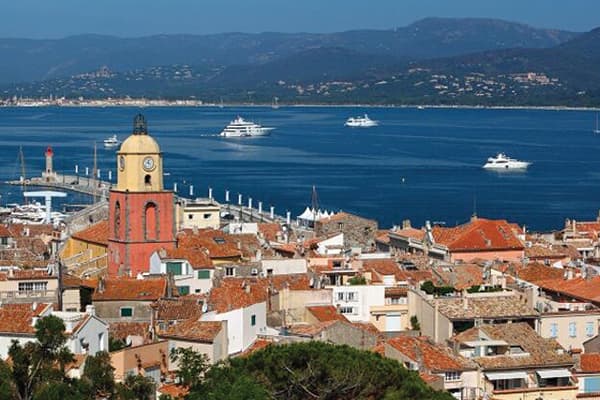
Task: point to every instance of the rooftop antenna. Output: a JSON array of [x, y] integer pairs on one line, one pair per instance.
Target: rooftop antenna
[[314, 201]]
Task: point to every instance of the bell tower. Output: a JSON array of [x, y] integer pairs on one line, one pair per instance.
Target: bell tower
[[141, 212]]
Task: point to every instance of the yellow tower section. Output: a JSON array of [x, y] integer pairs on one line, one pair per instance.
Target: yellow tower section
[[139, 161]]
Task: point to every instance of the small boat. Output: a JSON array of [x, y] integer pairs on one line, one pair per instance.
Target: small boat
[[242, 128], [597, 130], [111, 142], [503, 162], [361, 122]]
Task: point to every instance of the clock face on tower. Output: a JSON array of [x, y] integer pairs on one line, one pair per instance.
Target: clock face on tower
[[148, 163]]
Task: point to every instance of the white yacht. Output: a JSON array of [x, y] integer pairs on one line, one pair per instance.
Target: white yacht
[[111, 142], [361, 122], [239, 127], [502, 161]]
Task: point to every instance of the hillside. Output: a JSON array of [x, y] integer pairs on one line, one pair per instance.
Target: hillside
[[26, 60]]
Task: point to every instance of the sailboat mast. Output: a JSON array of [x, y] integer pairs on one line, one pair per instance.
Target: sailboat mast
[[95, 172], [22, 160]]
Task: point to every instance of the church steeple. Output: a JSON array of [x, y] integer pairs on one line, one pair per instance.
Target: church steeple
[[140, 127], [140, 161]]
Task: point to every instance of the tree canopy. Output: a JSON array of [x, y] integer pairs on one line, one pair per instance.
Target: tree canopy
[[312, 370]]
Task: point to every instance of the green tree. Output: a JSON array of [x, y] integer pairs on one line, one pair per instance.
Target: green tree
[[136, 387], [98, 373], [192, 365], [35, 363], [7, 385], [414, 323], [313, 370], [357, 280]]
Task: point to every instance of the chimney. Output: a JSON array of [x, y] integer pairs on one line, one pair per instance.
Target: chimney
[[90, 310], [101, 285], [11, 273], [474, 217], [406, 224]]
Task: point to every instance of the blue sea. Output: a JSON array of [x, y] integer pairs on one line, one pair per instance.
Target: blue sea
[[418, 164]]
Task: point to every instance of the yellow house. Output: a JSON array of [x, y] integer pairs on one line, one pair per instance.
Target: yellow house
[[86, 250]]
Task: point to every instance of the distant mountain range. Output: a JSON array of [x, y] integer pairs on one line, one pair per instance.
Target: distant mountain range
[[433, 61]]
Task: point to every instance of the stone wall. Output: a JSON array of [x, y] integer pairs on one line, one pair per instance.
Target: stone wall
[[358, 231]]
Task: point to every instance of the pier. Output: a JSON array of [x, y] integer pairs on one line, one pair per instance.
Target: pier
[[99, 190]]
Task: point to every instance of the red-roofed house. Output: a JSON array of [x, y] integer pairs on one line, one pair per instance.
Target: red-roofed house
[[86, 333], [206, 337], [191, 267], [87, 249], [421, 354], [481, 238], [128, 299]]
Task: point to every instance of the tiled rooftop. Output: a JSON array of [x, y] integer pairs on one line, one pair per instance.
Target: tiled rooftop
[[131, 289], [97, 234], [579, 288], [539, 352], [589, 363], [17, 318], [484, 307], [178, 309], [198, 258], [217, 243], [435, 357], [120, 330], [235, 293], [193, 330], [479, 235], [461, 276], [326, 313]]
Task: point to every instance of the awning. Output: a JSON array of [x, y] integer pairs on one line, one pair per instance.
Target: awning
[[554, 373], [496, 376]]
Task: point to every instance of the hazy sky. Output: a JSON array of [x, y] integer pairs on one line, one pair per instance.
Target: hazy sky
[[58, 18]]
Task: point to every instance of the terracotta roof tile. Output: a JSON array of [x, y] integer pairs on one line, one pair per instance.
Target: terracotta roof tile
[[311, 330], [97, 234], [461, 276], [177, 392], [538, 351], [538, 272], [17, 318], [381, 267], [121, 330], [217, 243], [193, 330], [235, 293], [479, 235], [589, 363], [258, 344], [383, 236], [434, 357], [579, 288], [178, 309], [412, 233], [269, 231], [326, 313], [198, 258], [483, 307], [132, 289]]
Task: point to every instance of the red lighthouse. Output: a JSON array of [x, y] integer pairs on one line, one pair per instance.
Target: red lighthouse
[[142, 212]]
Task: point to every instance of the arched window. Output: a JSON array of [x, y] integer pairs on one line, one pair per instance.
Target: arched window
[[148, 180], [151, 221], [117, 220]]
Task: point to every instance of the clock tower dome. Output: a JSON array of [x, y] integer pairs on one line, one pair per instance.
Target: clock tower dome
[[141, 213]]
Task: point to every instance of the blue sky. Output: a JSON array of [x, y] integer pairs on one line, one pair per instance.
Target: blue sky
[[58, 18]]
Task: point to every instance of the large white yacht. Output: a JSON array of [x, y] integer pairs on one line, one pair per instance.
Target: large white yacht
[[502, 161], [111, 142], [361, 122], [242, 128]]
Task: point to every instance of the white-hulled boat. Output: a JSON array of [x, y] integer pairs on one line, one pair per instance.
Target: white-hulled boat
[[111, 142], [502, 162], [239, 127], [361, 122]]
